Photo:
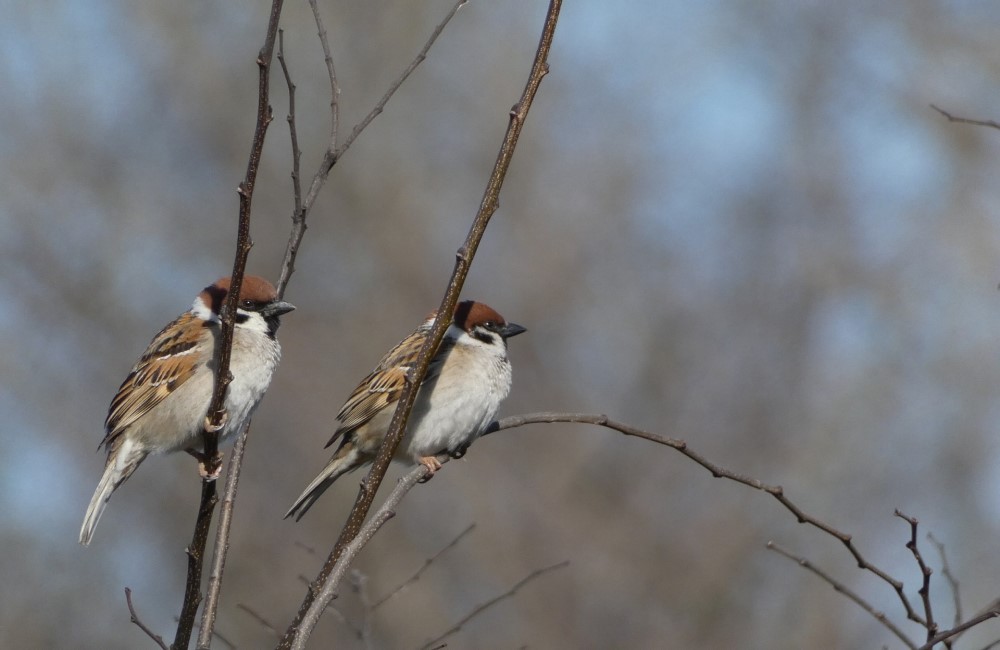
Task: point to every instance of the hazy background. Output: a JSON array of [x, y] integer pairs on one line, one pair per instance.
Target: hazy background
[[734, 222]]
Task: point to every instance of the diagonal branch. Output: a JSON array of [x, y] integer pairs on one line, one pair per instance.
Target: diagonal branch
[[156, 638], [479, 609], [463, 260], [966, 120], [216, 411], [426, 565], [843, 589], [335, 152]]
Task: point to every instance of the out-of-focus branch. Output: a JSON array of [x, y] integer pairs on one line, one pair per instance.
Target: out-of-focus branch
[[940, 637], [950, 577], [293, 132], [156, 638], [222, 541], [328, 589], [463, 259], [718, 471], [426, 565], [335, 151], [479, 609], [216, 411], [925, 571], [966, 120], [841, 588]]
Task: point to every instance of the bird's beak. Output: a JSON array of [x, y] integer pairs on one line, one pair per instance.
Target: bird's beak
[[277, 308], [512, 329]]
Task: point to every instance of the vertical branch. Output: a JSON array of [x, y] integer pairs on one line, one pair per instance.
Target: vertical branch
[[215, 419], [221, 549], [463, 260]]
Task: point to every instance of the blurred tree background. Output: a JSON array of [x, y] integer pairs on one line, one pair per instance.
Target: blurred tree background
[[739, 223]]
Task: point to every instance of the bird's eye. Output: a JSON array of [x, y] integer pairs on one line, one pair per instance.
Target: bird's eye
[[490, 325], [246, 304]]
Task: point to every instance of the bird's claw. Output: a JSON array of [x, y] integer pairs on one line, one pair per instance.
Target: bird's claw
[[432, 464]]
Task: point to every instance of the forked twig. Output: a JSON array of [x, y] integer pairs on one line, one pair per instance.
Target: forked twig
[[841, 588], [157, 639], [925, 571]]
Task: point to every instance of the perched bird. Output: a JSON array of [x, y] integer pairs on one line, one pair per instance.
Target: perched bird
[[162, 404], [465, 383]]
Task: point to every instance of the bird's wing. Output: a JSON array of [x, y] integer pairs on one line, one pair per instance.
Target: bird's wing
[[169, 361], [383, 386]]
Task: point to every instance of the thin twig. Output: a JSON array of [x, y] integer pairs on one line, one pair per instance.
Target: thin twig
[[966, 120], [380, 105], [841, 588], [359, 584], [216, 411], [426, 565], [157, 639], [221, 548], [327, 590], [463, 260], [260, 619], [958, 629], [292, 131], [925, 571], [335, 152], [950, 577], [537, 573], [717, 471], [331, 73]]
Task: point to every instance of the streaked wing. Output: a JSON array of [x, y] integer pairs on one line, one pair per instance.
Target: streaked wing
[[166, 364], [383, 386]]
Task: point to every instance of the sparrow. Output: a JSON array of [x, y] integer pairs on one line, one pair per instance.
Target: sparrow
[[466, 381], [163, 402]]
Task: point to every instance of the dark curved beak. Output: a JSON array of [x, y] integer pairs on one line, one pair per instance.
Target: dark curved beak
[[512, 329], [276, 308]]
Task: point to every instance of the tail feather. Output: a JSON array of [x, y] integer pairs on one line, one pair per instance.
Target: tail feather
[[114, 475], [346, 459]]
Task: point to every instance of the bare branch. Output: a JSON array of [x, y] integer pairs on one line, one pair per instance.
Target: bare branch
[[327, 590], [426, 565], [260, 620], [537, 573], [925, 587], [292, 132], [216, 411], [359, 584], [966, 120], [331, 73], [334, 152], [958, 629], [841, 588], [380, 105], [157, 639], [950, 577], [221, 548], [463, 259], [717, 471]]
